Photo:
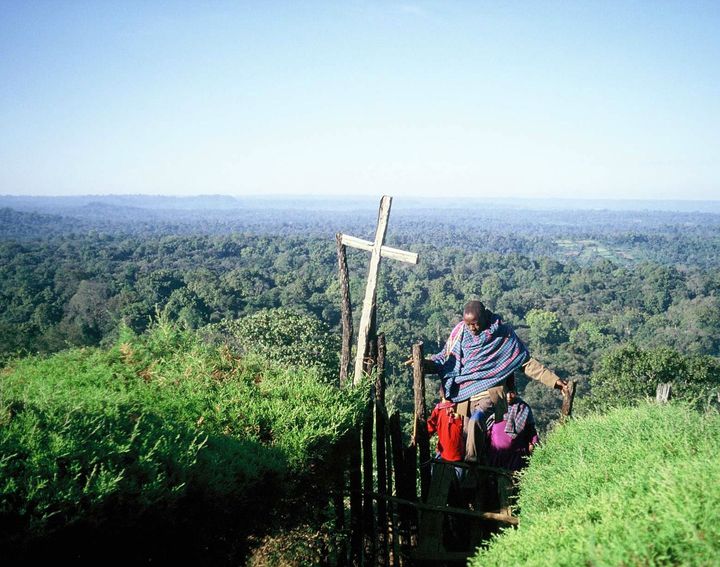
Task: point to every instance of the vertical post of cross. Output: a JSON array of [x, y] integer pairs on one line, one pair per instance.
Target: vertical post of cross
[[378, 250], [371, 287]]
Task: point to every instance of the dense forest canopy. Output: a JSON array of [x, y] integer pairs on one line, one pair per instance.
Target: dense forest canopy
[[576, 285]]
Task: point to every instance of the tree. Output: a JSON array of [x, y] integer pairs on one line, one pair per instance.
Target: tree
[[588, 337], [546, 330], [288, 337], [629, 373], [491, 289], [87, 318]]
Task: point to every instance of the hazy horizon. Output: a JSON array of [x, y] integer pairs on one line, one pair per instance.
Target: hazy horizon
[[369, 202]]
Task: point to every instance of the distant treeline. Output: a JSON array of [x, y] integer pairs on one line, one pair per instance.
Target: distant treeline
[[678, 237]]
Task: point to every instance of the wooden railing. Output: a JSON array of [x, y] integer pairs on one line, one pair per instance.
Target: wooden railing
[[397, 509]]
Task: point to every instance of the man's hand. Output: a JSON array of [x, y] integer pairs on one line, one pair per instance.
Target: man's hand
[[562, 385], [428, 364]]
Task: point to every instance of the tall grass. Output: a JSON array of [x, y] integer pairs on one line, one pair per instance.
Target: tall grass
[[160, 433], [638, 486]]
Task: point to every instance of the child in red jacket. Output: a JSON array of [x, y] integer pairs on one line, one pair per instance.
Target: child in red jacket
[[449, 426]]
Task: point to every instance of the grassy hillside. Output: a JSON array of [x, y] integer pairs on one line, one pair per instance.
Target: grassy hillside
[[159, 447], [633, 487]]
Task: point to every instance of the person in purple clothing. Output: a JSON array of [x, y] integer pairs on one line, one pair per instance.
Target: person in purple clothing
[[512, 439]]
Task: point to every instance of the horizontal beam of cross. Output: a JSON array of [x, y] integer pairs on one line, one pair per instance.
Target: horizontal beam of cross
[[385, 251]]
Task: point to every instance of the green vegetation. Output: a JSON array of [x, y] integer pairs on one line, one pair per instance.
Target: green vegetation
[[546, 330], [294, 339], [165, 435], [629, 374], [75, 290], [633, 487], [221, 418], [589, 250]]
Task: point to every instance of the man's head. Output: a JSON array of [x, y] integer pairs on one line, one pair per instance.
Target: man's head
[[476, 317]]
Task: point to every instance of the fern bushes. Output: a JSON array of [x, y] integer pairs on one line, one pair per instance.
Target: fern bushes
[[160, 444], [638, 486]]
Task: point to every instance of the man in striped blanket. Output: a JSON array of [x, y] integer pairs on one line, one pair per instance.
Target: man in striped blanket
[[479, 356]]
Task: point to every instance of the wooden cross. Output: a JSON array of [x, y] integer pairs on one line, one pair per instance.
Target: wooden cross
[[378, 251]]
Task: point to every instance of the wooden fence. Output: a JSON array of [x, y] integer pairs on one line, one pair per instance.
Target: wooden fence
[[396, 509]]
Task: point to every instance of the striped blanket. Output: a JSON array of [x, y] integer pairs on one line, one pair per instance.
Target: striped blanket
[[516, 418], [471, 364]]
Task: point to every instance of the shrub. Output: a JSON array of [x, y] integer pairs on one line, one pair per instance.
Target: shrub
[[286, 337], [162, 433], [629, 374], [302, 546]]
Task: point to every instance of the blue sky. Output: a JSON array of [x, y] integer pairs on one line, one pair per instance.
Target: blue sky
[[437, 99]]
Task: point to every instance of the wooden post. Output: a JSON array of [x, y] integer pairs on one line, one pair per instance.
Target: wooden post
[[345, 311], [339, 505], [380, 378], [662, 395], [484, 500], [355, 501], [410, 477], [568, 397], [402, 483], [370, 357], [368, 515], [430, 537], [380, 431], [420, 434], [394, 539], [505, 488], [368, 521]]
